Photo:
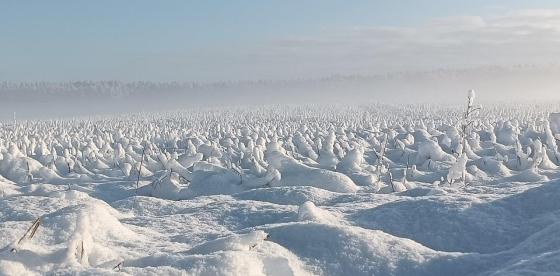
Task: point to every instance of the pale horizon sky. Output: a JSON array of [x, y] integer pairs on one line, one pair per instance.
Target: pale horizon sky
[[247, 40]]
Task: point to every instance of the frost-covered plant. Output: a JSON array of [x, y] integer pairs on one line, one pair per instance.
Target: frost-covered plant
[[458, 170], [468, 121]]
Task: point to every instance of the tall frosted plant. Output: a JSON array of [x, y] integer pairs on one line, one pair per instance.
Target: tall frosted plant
[[468, 121]]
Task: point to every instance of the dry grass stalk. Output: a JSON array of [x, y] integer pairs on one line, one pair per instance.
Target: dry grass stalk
[[29, 233]]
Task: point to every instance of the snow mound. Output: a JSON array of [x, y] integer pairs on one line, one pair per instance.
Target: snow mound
[[232, 243], [83, 236], [96, 224], [451, 223], [348, 250], [309, 212], [295, 173], [8, 188], [295, 195], [237, 254], [265, 259], [14, 268], [166, 187]]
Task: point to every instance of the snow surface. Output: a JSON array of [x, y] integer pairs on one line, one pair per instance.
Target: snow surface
[[361, 190]]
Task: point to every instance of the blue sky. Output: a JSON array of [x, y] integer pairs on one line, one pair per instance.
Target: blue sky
[[234, 40]]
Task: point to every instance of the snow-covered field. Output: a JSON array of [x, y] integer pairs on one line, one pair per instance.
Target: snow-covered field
[[285, 190]]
